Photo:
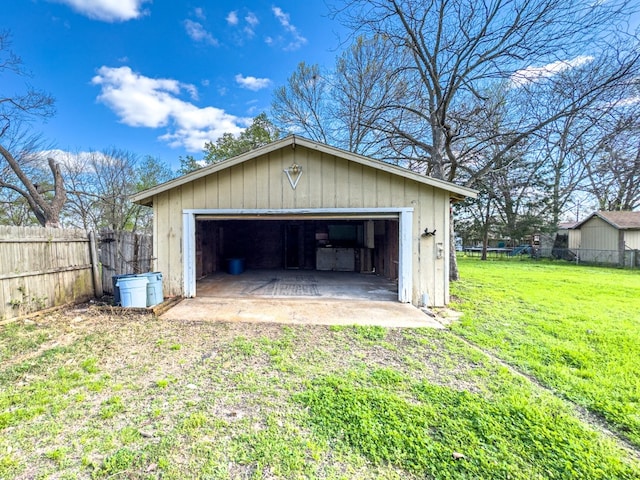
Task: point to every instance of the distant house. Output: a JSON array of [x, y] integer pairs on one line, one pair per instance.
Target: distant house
[[610, 237]]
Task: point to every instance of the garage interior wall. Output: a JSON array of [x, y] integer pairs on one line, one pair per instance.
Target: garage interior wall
[[327, 181], [367, 246]]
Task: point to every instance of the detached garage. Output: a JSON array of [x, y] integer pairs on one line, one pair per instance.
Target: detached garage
[[296, 204]]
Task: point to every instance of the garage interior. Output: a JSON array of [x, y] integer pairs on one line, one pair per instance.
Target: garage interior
[[294, 256]]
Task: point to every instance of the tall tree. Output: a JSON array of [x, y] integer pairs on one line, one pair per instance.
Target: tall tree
[[303, 104], [261, 132], [446, 54], [100, 184], [613, 166]]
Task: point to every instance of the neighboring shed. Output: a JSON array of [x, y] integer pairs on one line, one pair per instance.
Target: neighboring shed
[[573, 235], [299, 204], [606, 237]]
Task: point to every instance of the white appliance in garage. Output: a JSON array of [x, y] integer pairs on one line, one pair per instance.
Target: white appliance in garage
[[336, 259]]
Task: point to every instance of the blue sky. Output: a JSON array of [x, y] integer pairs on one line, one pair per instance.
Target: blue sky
[[159, 78]]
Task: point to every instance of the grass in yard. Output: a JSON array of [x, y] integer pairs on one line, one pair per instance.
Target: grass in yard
[[575, 328], [253, 401]]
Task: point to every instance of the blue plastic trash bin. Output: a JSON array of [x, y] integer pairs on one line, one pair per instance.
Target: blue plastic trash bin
[[235, 266], [116, 288], [154, 288], [133, 291]]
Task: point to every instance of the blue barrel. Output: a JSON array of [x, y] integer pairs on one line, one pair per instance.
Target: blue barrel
[[235, 266], [116, 289], [133, 291], [154, 288]]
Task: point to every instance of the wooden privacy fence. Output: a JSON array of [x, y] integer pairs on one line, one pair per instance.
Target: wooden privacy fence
[[45, 267], [124, 253]]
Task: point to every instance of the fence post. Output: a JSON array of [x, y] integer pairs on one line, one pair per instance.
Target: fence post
[[97, 279]]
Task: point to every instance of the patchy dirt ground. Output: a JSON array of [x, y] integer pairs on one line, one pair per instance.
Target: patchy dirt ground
[[91, 392]]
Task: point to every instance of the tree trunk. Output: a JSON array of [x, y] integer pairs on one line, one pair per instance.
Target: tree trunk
[[46, 211]]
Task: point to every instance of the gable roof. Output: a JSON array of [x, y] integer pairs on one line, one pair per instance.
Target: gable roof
[[146, 196], [567, 225], [619, 220]]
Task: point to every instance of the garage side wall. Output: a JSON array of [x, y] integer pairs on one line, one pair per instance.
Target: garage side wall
[[327, 181], [599, 242], [632, 239]]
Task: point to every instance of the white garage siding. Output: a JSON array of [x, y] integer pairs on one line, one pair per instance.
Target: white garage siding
[[331, 180]]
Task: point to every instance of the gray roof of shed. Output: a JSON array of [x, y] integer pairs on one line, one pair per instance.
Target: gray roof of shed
[[146, 196], [618, 219]]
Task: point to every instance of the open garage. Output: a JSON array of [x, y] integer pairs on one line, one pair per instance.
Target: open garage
[[300, 206], [343, 245]]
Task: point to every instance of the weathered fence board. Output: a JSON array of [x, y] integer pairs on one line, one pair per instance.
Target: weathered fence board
[[124, 253], [42, 268]]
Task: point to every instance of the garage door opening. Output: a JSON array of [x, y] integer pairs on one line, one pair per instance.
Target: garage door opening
[[340, 258], [334, 245]]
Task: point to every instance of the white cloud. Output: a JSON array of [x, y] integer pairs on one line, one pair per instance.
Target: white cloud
[[252, 19], [198, 33], [297, 40], [232, 18], [199, 13], [141, 101], [534, 74], [107, 10], [252, 83], [252, 23]]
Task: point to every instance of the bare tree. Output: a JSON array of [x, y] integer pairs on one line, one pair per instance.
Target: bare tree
[[100, 184], [18, 152], [456, 50], [303, 104], [613, 168]]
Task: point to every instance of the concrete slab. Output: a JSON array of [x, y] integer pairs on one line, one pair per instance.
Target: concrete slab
[[297, 284], [301, 311], [300, 297]]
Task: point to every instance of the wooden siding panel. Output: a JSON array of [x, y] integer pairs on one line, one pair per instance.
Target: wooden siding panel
[[342, 182], [397, 192], [250, 184], [187, 195], [212, 187], [369, 186], [439, 211], [224, 189], [263, 183], [309, 160], [276, 179], [174, 239], [383, 189], [236, 186], [355, 185], [161, 231], [315, 180], [200, 193], [328, 181]]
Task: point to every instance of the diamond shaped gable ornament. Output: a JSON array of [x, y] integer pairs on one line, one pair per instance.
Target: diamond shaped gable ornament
[[294, 172]]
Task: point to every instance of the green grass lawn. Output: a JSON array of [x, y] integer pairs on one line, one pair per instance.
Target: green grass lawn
[[575, 328], [85, 394]]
